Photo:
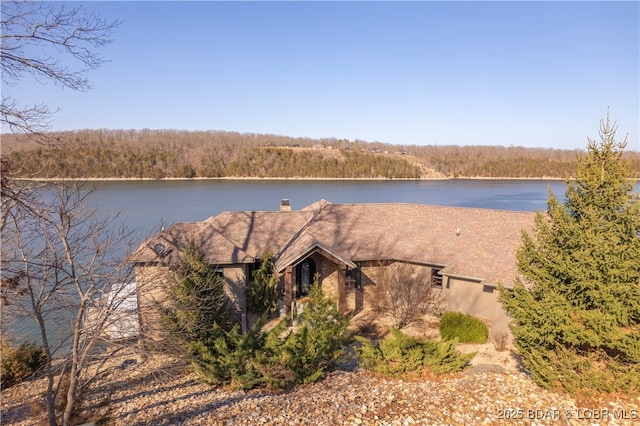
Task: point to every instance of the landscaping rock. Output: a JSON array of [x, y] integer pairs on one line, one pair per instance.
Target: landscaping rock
[[158, 391]]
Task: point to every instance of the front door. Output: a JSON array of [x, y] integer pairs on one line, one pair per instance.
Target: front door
[[305, 272]]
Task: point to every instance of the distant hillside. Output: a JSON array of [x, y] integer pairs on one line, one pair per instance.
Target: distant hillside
[[158, 154]]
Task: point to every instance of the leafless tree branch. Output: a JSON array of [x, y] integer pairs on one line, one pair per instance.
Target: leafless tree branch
[[404, 292], [60, 265], [36, 39]]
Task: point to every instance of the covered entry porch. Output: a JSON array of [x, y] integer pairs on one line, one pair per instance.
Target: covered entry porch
[[337, 276]]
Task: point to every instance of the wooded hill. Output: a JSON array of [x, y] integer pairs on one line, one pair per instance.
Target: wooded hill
[[158, 154]]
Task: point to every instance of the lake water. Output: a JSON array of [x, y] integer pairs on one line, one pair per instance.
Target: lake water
[[147, 205]]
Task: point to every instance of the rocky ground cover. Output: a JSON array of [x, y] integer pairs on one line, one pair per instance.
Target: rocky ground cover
[[160, 391]]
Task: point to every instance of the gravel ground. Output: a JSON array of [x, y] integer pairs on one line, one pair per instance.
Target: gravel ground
[[158, 391]]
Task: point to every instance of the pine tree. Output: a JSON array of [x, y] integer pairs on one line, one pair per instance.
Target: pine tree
[[319, 343], [199, 307], [262, 295], [576, 303]]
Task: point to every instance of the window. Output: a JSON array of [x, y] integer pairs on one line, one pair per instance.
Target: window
[[436, 278], [252, 268], [219, 272], [353, 279]]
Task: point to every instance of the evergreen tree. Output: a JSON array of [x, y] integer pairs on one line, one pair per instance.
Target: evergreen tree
[[576, 304], [262, 295], [198, 308], [319, 343], [276, 358]]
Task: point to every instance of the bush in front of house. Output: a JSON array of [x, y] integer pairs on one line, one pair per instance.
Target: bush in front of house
[[19, 362], [278, 358], [262, 294], [403, 292], [197, 309], [243, 361], [463, 327], [399, 355], [318, 345]]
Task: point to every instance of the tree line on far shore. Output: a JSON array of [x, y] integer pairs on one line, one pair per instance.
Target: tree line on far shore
[[158, 154]]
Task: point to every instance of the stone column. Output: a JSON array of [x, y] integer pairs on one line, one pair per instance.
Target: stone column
[[342, 290], [288, 289]]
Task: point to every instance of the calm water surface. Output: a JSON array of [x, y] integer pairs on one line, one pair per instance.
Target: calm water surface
[[147, 205]]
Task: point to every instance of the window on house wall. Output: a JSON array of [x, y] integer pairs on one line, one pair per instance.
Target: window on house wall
[[353, 278], [436, 278], [251, 268], [219, 273]]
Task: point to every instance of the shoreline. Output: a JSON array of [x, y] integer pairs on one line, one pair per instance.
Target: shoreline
[[252, 178]]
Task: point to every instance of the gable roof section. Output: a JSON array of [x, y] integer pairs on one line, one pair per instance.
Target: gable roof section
[[217, 249], [173, 239], [426, 234], [255, 232], [485, 247], [304, 245]]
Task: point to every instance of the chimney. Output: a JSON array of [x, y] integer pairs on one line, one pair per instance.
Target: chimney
[[285, 206]]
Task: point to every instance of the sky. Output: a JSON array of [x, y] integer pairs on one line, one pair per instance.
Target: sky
[[533, 74]]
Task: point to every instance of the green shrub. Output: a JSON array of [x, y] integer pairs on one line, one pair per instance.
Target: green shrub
[[399, 355], [466, 328], [19, 362], [318, 345], [198, 307], [275, 359], [233, 358], [262, 294]]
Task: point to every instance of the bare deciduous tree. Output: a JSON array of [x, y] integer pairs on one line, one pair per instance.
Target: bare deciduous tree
[[35, 36], [404, 292], [59, 264], [52, 43]]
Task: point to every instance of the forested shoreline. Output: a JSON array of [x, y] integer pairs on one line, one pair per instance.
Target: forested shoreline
[[171, 154]]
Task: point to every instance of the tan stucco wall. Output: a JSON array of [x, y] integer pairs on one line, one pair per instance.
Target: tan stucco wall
[[234, 286], [472, 298], [480, 301], [150, 283]]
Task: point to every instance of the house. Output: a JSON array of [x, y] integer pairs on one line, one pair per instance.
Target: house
[[468, 252]]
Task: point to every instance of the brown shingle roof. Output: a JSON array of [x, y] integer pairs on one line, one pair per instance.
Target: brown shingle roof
[[217, 248], [485, 247], [301, 246]]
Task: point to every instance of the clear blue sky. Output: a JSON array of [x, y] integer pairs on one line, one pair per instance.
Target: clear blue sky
[[535, 74]]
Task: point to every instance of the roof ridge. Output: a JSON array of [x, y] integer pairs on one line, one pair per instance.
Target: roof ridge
[[321, 205], [233, 243], [438, 206]]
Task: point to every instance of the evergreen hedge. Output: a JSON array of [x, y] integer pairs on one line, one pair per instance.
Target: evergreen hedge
[[279, 358]]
